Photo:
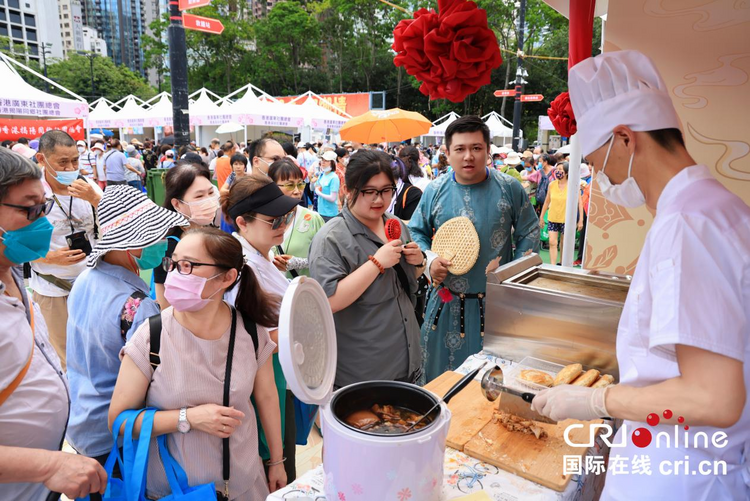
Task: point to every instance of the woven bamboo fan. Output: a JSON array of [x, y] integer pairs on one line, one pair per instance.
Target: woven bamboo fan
[[458, 242]]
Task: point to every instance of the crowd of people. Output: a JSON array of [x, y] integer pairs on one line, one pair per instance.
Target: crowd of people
[[237, 224]]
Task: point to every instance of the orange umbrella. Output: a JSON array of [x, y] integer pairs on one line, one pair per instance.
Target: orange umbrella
[[377, 126]]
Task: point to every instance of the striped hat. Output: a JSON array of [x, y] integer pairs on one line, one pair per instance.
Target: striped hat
[[128, 220]]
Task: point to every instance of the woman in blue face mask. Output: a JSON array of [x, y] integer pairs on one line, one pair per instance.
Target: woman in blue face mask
[[107, 303], [32, 376]]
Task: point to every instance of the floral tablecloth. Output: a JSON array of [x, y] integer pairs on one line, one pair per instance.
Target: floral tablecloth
[[463, 475]]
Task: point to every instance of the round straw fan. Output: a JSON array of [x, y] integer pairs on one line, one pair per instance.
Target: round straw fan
[[458, 242]]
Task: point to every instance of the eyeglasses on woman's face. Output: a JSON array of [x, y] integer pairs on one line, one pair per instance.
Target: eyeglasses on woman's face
[[277, 222], [183, 266], [34, 212], [371, 194], [291, 185]]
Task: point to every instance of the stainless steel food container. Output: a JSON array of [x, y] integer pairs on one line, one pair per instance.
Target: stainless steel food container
[[559, 314]]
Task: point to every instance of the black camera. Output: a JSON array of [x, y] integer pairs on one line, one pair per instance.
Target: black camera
[[80, 241]]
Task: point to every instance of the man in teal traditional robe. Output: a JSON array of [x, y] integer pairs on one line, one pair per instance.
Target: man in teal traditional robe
[[500, 210]]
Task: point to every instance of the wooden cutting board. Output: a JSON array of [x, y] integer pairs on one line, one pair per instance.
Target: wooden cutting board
[[470, 410], [540, 461]]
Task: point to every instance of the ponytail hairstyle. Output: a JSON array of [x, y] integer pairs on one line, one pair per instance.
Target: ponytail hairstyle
[[252, 302], [410, 157]]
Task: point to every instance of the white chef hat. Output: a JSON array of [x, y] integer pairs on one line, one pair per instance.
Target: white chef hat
[[618, 88]]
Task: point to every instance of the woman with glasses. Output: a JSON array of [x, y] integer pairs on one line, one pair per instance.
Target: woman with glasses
[[370, 281], [291, 256], [105, 307], [189, 191], [261, 212], [192, 360]]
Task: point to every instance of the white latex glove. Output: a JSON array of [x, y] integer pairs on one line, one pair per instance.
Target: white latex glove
[[571, 402]]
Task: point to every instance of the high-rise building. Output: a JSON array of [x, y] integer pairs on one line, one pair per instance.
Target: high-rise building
[[92, 42], [151, 14], [261, 8], [121, 23], [71, 25], [33, 28]]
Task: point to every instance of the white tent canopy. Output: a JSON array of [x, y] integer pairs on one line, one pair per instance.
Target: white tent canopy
[[131, 114], [442, 123], [249, 110], [22, 99], [203, 111], [499, 126], [317, 116], [160, 113], [100, 114]]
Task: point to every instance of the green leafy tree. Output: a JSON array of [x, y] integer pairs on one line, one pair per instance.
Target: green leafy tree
[[111, 81], [156, 50]]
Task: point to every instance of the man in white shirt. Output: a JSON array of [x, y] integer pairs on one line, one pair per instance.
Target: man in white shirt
[[86, 160], [73, 218], [683, 342], [100, 172]]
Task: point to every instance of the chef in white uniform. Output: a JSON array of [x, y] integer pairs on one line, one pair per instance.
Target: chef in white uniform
[[683, 343]]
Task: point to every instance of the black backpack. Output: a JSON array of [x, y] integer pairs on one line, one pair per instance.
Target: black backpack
[[150, 159]]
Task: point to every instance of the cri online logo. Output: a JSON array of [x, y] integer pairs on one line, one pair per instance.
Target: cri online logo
[[642, 437]]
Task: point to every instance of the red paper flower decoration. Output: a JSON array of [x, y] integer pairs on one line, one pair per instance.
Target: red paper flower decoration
[[560, 112], [452, 52]]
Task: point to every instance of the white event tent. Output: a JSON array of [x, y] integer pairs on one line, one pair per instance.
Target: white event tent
[[501, 130], [437, 131], [20, 99]]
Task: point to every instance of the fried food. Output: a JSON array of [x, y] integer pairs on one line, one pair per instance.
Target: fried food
[[604, 381], [568, 374], [536, 377], [587, 378]]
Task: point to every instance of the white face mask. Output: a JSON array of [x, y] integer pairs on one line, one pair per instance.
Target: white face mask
[[81, 149], [627, 193]]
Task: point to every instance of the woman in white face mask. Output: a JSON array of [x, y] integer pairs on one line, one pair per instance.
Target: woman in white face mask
[[190, 192]]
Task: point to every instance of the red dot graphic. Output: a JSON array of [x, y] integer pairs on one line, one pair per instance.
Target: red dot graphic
[[687, 427], [641, 437], [680, 419], [652, 419], [667, 414]]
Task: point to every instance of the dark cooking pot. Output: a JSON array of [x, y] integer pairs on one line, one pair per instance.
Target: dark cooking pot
[[364, 395]]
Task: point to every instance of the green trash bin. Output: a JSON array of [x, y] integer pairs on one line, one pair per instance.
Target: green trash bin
[[155, 185]]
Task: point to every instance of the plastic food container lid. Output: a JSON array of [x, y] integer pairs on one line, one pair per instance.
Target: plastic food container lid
[[307, 341]]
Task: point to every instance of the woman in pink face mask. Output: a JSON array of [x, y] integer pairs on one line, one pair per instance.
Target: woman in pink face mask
[[200, 334], [190, 192]]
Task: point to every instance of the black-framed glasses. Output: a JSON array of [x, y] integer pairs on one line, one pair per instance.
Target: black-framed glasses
[[34, 212], [183, 266], [371, 194], [276, 222]]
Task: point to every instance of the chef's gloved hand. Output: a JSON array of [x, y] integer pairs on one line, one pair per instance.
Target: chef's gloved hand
[[571, 402]]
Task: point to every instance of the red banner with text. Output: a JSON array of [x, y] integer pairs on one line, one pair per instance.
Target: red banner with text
[[13, 129]]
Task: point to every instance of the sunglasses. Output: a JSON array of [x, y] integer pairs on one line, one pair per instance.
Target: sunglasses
[[34, 212], [276, 222], [290, 186]]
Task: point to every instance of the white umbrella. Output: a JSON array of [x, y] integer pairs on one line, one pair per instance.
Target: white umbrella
[[565, 150], [229, 127]]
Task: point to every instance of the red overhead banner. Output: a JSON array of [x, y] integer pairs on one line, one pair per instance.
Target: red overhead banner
[[13, 129]]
